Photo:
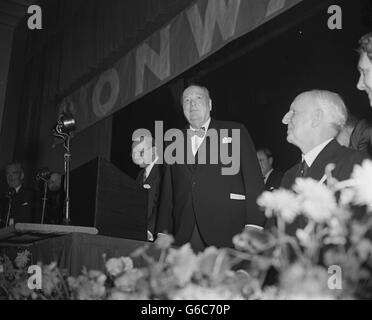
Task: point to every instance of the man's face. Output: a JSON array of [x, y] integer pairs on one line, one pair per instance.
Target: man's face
[[14, 175], [266, 163], [54, 182], [196, 106], [365, 79], [143, 153], [298, 119]]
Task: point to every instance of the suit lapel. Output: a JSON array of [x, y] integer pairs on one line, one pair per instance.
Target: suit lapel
[[317, 169], [139, 178], [150, 179]]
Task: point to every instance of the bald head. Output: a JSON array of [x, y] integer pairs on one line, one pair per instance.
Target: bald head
[[314, 117]]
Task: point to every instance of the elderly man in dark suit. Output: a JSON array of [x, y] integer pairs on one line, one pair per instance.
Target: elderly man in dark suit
[[144, 154], [314, 120], [18, 204], [272, 177], [201, 203]]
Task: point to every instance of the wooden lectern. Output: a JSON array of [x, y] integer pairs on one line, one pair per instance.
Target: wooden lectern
[[104, 197]]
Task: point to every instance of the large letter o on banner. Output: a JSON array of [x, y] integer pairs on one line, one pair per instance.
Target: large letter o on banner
[[111, 77]]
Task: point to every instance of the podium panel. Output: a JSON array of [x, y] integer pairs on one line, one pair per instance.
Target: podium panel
[[104, 197]]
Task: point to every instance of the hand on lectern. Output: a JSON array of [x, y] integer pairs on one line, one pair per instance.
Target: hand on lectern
[[150, 237]]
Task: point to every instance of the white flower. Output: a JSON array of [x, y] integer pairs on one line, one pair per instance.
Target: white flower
[[22, 259], [164, 241], [197, 292], [362, 177], [282, 202], [318, 201], [364, 249], [116, 266], [336, 233], [184, 262], [128, 281]]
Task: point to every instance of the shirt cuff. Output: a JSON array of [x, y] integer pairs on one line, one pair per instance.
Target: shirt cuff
[[254, 226]]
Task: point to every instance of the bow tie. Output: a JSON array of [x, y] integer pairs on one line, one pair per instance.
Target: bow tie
[[199, 132]]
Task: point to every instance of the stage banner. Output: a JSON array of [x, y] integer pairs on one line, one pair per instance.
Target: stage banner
[[194, 34]]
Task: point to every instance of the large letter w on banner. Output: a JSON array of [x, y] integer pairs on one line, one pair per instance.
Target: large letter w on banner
[[217, 12]]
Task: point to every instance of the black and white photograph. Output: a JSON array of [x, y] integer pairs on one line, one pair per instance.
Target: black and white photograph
[[199, 151]]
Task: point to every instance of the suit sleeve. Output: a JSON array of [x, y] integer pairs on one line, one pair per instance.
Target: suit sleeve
[[164, 223], [253, 180]]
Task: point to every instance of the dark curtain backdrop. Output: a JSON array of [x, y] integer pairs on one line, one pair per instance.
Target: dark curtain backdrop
[[86, 36], [79, 39]]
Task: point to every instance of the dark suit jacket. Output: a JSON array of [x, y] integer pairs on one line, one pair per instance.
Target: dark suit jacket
[[23, 207], [344, 158], [154, 181], [201, 194], [274, 180], [361, 138]]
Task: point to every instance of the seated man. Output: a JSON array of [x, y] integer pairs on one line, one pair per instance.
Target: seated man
[[18, 204], [314, 120], [144, 155], [272, 178]]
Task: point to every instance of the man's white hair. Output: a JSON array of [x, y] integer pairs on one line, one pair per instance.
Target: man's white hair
[[333, 107]]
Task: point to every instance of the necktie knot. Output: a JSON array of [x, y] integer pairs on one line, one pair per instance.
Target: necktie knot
[[199, 132], [304, 169]]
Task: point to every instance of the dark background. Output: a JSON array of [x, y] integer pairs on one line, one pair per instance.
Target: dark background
[[254, 79]]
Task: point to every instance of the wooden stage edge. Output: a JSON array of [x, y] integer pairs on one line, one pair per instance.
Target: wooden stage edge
[[27, 233]]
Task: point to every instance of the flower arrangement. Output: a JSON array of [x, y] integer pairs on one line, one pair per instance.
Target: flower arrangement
[[328, 255]]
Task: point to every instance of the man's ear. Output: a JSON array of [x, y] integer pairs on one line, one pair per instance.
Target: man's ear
[[271, 160], [210, 104], [317, 117], [22, 175]]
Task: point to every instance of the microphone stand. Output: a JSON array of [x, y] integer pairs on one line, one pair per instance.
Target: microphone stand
[[63, 130], [10, 196], [67, 157], [44, 201]]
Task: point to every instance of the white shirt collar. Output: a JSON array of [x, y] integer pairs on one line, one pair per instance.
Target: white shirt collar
[[313, 153], [150, 166], [17, 188], [205, 125]]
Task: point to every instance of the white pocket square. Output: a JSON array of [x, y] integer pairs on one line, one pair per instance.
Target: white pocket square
[[235, 196], [24, 204], [146, 186], [226, 140]]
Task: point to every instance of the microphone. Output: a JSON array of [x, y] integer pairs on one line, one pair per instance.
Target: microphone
[[43, 174]]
